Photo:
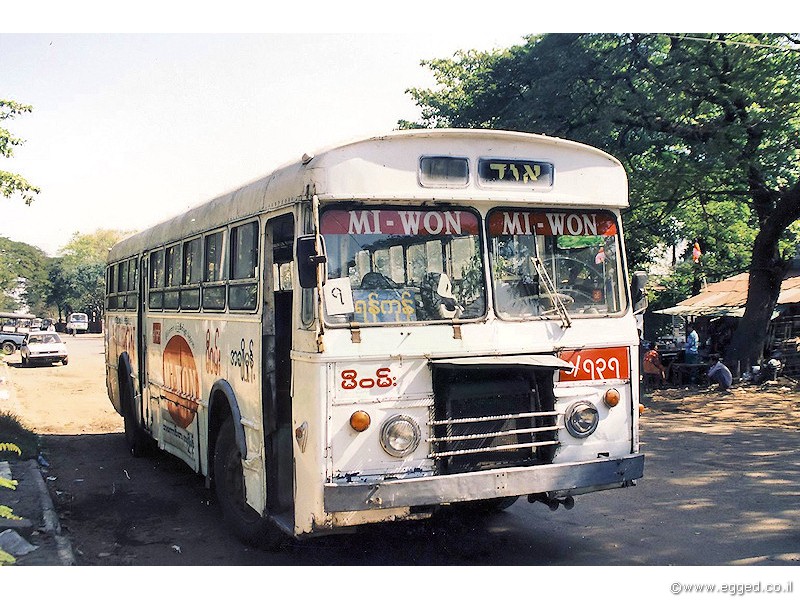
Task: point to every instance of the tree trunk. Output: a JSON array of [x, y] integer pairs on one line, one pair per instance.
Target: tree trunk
[[766, 275], [747, 347]]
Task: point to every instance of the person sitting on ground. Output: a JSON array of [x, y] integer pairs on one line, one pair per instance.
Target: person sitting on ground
[[653, 368], [720, 374]]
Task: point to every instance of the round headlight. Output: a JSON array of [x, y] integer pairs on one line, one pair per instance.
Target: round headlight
[[581, 419], [400, 435]]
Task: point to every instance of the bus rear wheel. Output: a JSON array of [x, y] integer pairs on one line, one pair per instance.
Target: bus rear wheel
[[135, 438], [246, 523]]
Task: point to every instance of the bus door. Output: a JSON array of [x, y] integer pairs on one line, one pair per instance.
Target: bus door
[[276, 343]]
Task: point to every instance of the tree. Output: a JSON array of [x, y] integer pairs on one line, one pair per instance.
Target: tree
[[23, 276], [701, 122], [11, 183], [92, 247], [62, 294], [77, 277]]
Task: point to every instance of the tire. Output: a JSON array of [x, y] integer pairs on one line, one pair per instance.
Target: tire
[[64, 362], [245, 522], [136, 439], [9, 347], [500, 504], [485, 507]]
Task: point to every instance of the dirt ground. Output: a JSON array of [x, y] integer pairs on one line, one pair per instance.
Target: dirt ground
[[119, 510], [712, 411], [65, 400]]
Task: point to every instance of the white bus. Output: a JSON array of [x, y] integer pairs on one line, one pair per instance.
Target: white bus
[[77, 322], [425, 319]]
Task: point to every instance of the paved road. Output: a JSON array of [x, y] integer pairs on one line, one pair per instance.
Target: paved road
[[721, 487]]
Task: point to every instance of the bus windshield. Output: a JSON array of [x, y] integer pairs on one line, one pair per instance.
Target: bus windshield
[[406, 265], [541, 259]]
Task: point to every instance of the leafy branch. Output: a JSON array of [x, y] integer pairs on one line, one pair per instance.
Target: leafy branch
[[11, 183]]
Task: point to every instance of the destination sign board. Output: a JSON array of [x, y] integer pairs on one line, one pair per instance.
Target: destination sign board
[[512, 172]]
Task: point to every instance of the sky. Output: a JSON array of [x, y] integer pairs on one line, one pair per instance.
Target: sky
[[166, 108], [130, 129]]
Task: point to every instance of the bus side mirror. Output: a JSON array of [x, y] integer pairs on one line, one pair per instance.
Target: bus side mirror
[[637, 292], [308, 260]]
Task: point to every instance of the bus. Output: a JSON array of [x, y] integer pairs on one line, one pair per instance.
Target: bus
[[77, 322], [425, 321]]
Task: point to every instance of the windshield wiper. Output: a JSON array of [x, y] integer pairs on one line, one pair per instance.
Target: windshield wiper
[[550, 288]]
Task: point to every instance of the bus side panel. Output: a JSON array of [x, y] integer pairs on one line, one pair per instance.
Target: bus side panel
[[186, 356], [112, 377], [121, 340], [310, 380]]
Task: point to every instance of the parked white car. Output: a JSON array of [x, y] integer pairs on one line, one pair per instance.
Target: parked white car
[[43, 347]]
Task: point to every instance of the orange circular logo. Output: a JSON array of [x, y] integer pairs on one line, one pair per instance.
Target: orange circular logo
[[181, 381]]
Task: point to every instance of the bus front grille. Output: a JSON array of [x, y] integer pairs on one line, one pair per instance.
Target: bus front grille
[[484, 420]]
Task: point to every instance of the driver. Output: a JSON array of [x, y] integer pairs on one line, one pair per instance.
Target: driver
[[437, 297]]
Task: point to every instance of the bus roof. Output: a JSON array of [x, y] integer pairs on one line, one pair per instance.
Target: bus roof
[[385, 168]]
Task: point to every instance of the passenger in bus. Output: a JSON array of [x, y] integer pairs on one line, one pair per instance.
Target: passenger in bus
[[377, 281], [438, 301]]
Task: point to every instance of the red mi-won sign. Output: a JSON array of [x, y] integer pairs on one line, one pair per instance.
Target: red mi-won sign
[[399, 222], [507, 222]]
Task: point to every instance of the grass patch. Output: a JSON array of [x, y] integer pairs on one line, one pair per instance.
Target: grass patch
[[12, 431]]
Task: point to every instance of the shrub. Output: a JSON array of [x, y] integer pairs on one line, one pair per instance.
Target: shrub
[[5, 511], [12, 431]]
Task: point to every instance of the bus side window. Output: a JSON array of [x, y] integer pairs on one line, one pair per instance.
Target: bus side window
[[156, 280], [122, 283], [192, 268], [111, 303], [213, 275], [172, 264], [133, 272], [243, 288]]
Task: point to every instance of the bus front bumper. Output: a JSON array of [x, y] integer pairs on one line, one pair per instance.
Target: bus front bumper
[[558, 480]]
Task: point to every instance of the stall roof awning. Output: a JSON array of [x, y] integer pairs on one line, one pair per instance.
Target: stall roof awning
[[727, 298], [529, 360], [702, 311]]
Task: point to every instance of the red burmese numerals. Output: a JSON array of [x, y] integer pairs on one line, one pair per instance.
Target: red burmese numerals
[[382, 379]]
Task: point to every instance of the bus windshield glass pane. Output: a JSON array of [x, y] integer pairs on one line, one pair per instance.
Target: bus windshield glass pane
[[396, 266], [541, 258]]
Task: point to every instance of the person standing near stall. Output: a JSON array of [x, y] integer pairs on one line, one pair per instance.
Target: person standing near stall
[[691, 352]]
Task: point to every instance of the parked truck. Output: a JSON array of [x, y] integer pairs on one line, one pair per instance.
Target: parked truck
[[13, 328], [10, 342]]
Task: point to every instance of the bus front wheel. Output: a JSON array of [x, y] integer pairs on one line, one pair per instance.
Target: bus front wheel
[[483, 507], [246, 523]]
